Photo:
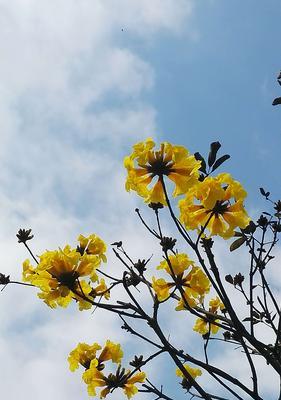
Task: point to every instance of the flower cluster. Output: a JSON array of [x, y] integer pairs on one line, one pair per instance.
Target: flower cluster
[[94, 375], [210, 205], [186, 275], [202, 326], [58, 273], [215, 204], [145, 163], [193, 372]]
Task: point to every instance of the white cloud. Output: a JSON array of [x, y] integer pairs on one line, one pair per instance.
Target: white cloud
[[72, 102], [146, 17]]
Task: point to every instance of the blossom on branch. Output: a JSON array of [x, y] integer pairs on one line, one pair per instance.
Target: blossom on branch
[[58, 274], [202, 326], [215, 204], [92, 245], [194, 372], [121, 379], [94, 375], [84, 353], [194, 283], [145, 163]]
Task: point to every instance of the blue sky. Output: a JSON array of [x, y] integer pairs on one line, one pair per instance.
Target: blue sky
[[80, 84], [221, 86]]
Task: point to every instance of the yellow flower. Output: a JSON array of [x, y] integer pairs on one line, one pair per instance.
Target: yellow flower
[[129, 387], [194, 293], [28, 271], [162, 288], [83, 354], [194, 372], [121, 379], [201, 326], [85, 289], [92, 244], [60, 296], [195, 283], [94, 375], [101, 290], [179, 262], [66, 265], [199, 282], [111, 351], [144, 164], [216, 304], [91, 293], [215, 202], [58, 274]]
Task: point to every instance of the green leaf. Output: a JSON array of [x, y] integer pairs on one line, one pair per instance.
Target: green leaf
[[214, 147], [276, 101], [238, 234], [220, 161], [237, 243], [203, 162], [264, 193]]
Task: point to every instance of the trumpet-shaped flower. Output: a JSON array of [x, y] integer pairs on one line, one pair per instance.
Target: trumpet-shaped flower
[[194, 282], [92, 244], [121, 379], [111, 351], [129, 386], [194, 372], [194, 293], [84, 354], [94, 375], [58, 275], [177, 264], [215, 305], [145, 164], [203, 326], [215, 204]]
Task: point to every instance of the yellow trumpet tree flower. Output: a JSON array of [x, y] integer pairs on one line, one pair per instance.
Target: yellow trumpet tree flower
[[194, 283], [145, 164], [86, 356], [194, 372], [58, 274], [202, 326], [215, 204], [212, 206]]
